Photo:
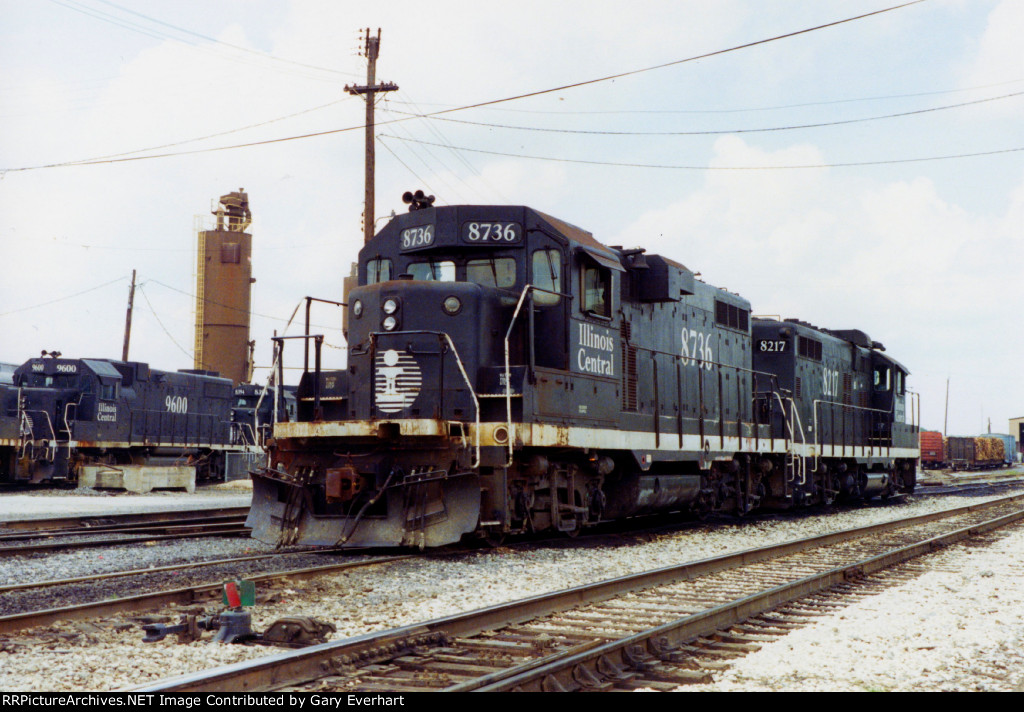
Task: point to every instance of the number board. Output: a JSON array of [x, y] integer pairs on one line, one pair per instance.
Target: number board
[[492, 233], [416, 238], [772, 345]]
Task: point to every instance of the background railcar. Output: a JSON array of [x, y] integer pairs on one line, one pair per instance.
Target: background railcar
[[974, 453], [10, 431], [507, 373], [1009, 447], [932, 449], [102, 411], [253, 414]]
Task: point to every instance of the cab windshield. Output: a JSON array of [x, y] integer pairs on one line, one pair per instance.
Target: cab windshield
[[433, 271], [499, 272]]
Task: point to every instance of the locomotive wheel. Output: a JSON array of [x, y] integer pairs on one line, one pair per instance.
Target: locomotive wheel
[[494, 540]]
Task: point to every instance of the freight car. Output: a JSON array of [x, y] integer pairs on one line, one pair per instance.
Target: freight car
[[508, 373], [980, 453], [932, 450], [1009, 446], [78, 412]]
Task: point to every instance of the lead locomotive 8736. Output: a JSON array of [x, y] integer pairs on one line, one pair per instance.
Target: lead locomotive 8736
[[508, 373]]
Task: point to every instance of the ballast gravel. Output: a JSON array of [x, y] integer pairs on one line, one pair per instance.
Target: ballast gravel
[[958, 626]]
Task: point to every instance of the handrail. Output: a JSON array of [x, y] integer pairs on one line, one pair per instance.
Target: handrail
[[318, 342], [529, 289], [52, 440], [508, 373], [472, 392], [240, 429], [67, 425], [795, 415], [818, 445]]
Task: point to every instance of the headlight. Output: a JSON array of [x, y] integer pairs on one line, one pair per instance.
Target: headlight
[[390, 306], [452, 305], [357, 308], [390, 323]]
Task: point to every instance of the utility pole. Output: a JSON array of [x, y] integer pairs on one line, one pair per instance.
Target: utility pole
[[128, 320], [945, 421], [370, 51]]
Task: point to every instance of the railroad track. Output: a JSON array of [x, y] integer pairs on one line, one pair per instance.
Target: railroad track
[[657, 629], [54, 525], [157, 526], [969, 488], [183, 597]]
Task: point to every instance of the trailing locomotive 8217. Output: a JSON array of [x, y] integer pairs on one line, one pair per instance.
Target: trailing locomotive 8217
[[508, 373]]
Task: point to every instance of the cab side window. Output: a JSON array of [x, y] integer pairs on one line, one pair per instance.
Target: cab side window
[[882, 382], [596, 290], [547, 275]]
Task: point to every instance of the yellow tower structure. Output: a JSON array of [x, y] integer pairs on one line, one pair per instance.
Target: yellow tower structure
[[223, 291]]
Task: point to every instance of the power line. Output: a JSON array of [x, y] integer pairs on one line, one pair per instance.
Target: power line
[[677, 62], [249, 313], [159, 34], [227, 44], [741, 110], [714, 132], [157, 317], [203, 138], [422, 181], [724, 168], [63, 299], [491, 102]]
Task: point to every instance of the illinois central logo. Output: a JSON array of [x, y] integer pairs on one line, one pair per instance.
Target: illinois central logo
[[398, 380]]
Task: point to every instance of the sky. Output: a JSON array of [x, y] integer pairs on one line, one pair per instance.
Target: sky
[[862, 175]]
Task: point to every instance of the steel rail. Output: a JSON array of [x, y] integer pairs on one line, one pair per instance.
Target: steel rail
[[187, 596], [534, 677], [127, 528], [163, 569], [193, 533], [82, 521], [310, 663]]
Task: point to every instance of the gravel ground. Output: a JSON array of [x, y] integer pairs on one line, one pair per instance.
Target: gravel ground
[[958, 627], [950, 629]]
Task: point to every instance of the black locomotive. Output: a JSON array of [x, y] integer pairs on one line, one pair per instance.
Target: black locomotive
[[62, 414], [253, 412], [509, 373]]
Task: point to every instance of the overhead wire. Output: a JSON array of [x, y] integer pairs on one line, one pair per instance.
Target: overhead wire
[[743, 110], [735, 168], [227, 44], [434, 162], [229, 307], [423, 181], [716, 132], [250, 57], [706, 55], [213, 135], [431, 162], [492, 102], [435, 130], [63, 299], [140, 288]]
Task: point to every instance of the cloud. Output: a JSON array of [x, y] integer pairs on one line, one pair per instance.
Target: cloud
[[919, 273], [998, 56]]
